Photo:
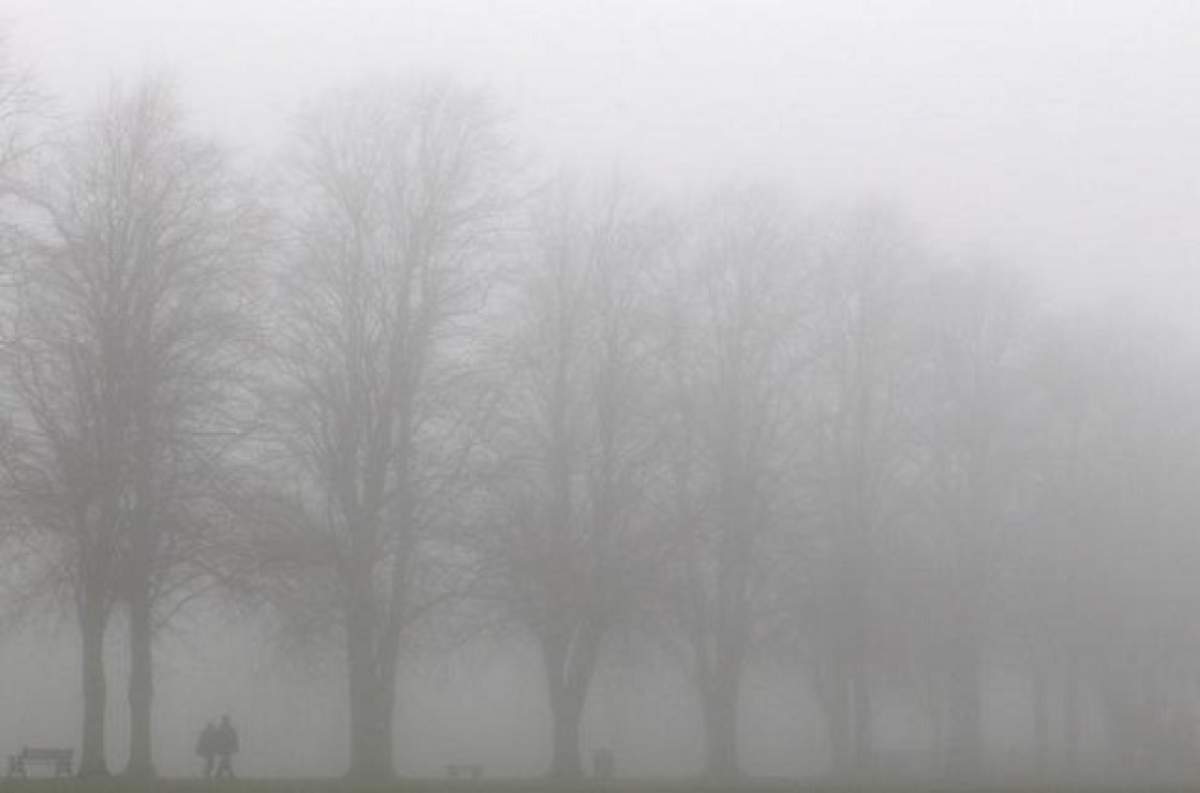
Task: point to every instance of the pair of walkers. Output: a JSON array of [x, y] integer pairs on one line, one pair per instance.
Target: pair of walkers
[[217, 745]]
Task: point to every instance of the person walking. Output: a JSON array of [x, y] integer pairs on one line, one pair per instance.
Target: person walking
[[226, 746], [206, 748]]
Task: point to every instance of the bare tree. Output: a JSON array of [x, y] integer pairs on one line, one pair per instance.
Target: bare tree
[[21, 107], [22, 113], [733, 341], [399, 194], [864, 292], [574, 437], [129, 308], [1098, 583], [21, 110], [974, 416]]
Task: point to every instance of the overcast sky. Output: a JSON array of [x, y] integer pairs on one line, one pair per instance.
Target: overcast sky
[[1062, 136]]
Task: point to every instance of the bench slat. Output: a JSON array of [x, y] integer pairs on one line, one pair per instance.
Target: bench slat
[[46, 754], [59, 759]]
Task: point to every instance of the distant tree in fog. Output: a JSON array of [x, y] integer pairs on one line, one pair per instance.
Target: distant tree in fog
[[733, 358], [399, 193], [974, 416], [21, 107], [568, 548], [864, 292], [127, 322], [1104, 577]]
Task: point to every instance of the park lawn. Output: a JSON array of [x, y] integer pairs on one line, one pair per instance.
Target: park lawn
[[117, 785]]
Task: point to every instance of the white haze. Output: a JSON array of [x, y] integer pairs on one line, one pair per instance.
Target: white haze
[[1059, 136], [1054, 133]]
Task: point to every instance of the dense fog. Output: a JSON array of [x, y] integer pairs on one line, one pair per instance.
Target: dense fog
[[731, 390]]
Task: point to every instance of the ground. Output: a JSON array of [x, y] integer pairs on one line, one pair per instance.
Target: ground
[[530, 786]]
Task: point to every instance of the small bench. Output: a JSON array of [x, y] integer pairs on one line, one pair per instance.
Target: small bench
[[471, 770], [57, 759]]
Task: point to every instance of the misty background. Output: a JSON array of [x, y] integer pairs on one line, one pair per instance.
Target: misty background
[[1057, 135], [1052, 139]]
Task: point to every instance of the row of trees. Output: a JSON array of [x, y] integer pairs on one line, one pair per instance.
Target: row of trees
[[405, 382]]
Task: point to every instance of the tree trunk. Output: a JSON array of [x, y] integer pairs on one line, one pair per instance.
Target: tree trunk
[[141, 687], [965, 748], [936, 696], [860, 697], [1122, 743], [1072, 724], [569, 657], [1041, 718], [372, 700], [566, 710], [719, 709], [837, 716], [93, 620], [371, 723], [853, 639]]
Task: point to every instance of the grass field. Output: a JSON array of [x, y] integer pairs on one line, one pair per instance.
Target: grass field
[[116, 785]]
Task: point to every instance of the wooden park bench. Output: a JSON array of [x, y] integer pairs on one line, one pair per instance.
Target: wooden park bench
[[58, 759], [472, 770]]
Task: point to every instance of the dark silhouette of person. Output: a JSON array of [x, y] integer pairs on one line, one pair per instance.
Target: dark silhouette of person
[[604, 763], [206, 747], [225, 746]]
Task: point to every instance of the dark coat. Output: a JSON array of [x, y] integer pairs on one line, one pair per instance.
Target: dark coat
[[226, 739], [206, 746]]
